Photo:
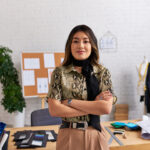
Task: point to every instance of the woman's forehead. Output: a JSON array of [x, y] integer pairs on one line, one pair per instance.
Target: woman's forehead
[[80, 35]]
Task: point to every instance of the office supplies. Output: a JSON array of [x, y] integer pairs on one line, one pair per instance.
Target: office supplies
[[113, 136], [38, 139], [2, 127], [118, 131], [2, 132], [52, 136], [32, 139], [145, 125], [129, 125], [4, 139]]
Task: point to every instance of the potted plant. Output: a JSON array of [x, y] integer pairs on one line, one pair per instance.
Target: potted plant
[[12, 100]]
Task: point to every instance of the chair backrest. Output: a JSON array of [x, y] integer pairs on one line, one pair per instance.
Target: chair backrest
[[42, 117]]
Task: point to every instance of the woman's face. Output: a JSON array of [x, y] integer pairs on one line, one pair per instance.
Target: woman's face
[[80, 46]]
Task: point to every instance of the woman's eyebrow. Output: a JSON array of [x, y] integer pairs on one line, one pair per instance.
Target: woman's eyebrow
[[85, 38], [75, 38]]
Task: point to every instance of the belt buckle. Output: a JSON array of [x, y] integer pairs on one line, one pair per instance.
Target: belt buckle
[[74, 125], [85, 125]]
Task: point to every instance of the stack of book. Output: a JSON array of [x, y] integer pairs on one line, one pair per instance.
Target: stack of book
[[3, 137], [121, 112]]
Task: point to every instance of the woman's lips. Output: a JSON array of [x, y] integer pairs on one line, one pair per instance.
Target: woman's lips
[[80, 52]]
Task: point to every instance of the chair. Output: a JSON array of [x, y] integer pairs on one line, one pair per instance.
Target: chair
[[42, 117]]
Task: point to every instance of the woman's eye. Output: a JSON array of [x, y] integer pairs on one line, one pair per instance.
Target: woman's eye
[[86, 41], [75, 41]]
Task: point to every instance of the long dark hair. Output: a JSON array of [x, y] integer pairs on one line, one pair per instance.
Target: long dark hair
[[94, 57]]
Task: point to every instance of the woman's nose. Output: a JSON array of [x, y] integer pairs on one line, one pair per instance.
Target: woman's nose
[[81, 44]]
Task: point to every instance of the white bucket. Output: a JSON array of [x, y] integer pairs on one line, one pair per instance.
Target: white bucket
[[19, 118]]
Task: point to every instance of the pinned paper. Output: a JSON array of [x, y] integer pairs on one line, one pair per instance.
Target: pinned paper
[[49, 60], [31, 63], [62, 59], [28, 78], [42, 85], [49, 74]]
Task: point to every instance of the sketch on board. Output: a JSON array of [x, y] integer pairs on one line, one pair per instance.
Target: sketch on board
[[108, 42], [28, 78], [31, 63], [42, 85], [49, 60], [49, 74]]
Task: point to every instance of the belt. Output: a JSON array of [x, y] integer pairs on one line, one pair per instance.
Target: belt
[[75, 125]]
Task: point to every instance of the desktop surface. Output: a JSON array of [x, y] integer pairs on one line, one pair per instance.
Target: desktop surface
[[133, 140]]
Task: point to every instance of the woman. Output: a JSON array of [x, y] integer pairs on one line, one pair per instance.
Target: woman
[[79, 92]]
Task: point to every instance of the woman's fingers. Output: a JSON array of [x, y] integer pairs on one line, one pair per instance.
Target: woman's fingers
[[105, 95]]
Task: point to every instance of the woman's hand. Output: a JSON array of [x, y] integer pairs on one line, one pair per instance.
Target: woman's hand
[[106, 95]]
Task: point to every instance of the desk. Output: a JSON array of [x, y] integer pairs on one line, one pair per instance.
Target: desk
[[133, 141]]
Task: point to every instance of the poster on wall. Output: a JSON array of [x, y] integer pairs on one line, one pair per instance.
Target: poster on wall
[[108, 42]]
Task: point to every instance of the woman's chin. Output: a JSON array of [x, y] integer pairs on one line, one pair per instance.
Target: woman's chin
[[81, 58]]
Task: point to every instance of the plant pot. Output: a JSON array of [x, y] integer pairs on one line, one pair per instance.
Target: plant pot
[[19, 118]]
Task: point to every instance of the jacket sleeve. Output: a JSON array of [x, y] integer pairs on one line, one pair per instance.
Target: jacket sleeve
[[106, 83], [55, 90]]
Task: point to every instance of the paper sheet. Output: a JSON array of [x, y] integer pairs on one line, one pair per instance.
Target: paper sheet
[[108, 42], [145, 125], [37, 143], [31, 63], [28, 78], [49, 60], [50, 136], [42, 85], [62, 59], [49, 74]]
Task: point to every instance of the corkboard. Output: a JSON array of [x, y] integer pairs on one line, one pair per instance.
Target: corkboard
[[41, 72]]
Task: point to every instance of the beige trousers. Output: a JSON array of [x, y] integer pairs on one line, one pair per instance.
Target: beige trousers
[[77, 139]]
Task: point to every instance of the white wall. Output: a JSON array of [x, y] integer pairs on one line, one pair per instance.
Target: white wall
[[43, 25]]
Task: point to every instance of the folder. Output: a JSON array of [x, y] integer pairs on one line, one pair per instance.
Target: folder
[[4, 140]]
